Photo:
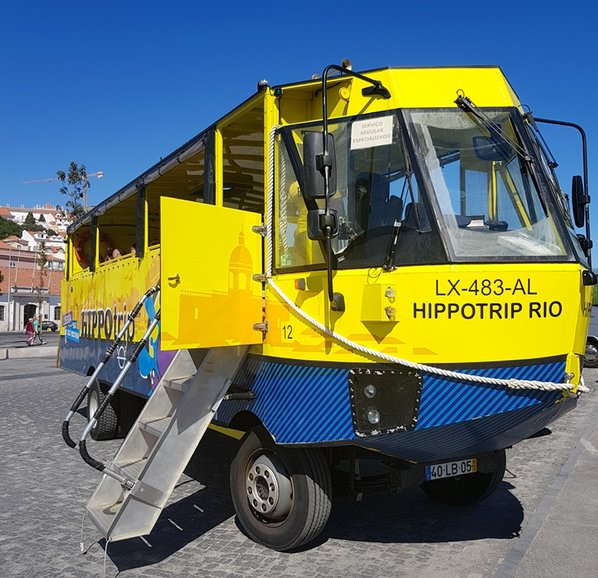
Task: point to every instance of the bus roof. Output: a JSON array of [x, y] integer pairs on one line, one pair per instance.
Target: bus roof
[[195, 143]]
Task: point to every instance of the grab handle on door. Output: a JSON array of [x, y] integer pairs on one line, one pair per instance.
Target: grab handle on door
[[174, 280]]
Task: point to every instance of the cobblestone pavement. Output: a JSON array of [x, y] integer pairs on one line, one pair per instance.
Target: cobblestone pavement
[[44, 487]]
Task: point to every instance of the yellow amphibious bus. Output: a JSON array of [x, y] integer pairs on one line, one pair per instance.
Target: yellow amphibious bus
[[363, 273]]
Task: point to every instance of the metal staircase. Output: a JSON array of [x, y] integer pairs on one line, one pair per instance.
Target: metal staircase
[[162, 440]]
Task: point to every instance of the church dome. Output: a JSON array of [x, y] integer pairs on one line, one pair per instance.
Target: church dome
[[240, 259]]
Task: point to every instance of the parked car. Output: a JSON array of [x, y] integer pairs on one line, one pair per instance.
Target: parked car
[[49, 326], [591, 355]]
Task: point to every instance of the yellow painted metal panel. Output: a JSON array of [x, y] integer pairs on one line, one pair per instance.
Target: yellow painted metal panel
[[378, 303], [409, 88], [443, 314], [209, 256], [99, 302]]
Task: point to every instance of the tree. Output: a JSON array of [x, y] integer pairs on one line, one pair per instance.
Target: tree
[[74, 186], [1, 280], [30, 224], [9, 228], [29, 221], [41, 219], [42, 263]]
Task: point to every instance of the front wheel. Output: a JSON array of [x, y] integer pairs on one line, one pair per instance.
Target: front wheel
[[281, 495], [470, 488]]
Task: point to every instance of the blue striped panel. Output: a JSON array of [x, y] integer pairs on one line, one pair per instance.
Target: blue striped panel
[[445, 401], [298, 403], [467, 439]]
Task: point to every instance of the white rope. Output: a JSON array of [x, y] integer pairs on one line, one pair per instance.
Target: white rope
[[270, 203], [510, 383]]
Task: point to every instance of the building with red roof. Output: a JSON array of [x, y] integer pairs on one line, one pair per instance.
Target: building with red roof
[[26, 290]]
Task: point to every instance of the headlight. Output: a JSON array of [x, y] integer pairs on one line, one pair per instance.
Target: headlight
[[374, 416], [369, 391]]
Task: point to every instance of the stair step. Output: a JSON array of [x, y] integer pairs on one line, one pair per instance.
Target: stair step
[[179, 383], [155, 427], [103, 515], [131, 470]]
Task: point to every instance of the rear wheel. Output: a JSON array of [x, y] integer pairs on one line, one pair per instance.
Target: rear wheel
[[281, 495], [106, 427], [129, 408], [470, 488]]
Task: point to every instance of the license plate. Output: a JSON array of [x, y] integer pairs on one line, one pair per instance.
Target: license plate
[[451, 469]]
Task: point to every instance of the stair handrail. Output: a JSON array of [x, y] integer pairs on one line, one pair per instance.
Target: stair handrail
[[96, 464], [83, 393]]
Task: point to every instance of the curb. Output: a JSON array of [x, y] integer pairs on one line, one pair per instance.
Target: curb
[[28, 352]]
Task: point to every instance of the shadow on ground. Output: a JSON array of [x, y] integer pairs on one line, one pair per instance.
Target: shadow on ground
[[191, 517], [408, 517], [412, 517]]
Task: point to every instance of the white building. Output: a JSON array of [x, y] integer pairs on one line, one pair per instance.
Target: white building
[[24, 291], [54, 243], [53, 218]]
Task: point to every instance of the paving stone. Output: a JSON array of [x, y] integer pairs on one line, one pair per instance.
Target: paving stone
[[45, 485]]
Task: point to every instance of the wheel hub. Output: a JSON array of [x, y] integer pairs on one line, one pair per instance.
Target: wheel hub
[[92, 406], [268, 487]]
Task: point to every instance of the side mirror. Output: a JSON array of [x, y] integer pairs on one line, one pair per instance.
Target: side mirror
[[586, 244], [315, 163], [318, 221], [579, 200]]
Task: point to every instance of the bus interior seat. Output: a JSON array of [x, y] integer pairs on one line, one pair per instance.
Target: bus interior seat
[[383, 209], [416, 217]]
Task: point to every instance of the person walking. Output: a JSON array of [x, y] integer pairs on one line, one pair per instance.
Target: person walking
[[29, 331], [37, 329]]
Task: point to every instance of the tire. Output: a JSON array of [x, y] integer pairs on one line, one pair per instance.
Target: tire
[[281, 495], [468, 489], [590, 359], [106, 427], [129, 408]]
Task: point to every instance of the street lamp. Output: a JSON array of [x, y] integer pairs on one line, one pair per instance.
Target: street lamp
[[99, 175], [9, 287]]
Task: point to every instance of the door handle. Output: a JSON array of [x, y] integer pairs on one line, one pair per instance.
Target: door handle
[[174, 280]]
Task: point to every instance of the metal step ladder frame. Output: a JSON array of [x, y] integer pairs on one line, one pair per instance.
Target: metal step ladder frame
[[161, 442], [96, 464]]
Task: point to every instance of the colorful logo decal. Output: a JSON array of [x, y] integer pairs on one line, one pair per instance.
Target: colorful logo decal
[[67, 318], [71, 332], [153, 362]]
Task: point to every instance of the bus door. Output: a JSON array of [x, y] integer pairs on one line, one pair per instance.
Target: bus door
[[209, 255]]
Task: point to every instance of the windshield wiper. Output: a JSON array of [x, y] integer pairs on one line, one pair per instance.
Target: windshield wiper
[[389, 261], [467, 105]]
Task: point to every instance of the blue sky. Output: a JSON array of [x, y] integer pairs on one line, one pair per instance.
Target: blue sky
[[116, 85]]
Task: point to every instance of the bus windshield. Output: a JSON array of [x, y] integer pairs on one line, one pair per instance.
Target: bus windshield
[[436, 183], [485, 195]]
